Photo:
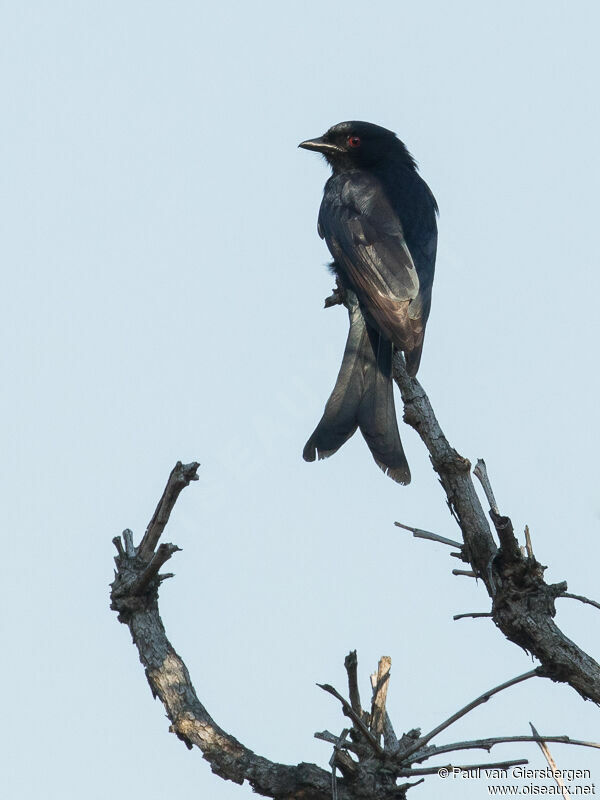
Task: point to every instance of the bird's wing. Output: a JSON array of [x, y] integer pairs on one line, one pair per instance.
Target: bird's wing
[[365, 236]]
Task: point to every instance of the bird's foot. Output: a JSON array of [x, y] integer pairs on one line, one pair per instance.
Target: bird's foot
[[337, 297]]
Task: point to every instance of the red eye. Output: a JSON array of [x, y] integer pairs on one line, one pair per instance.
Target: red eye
[[354, 141]]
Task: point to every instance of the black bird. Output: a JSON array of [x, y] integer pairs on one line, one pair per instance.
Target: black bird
[[378, 218]]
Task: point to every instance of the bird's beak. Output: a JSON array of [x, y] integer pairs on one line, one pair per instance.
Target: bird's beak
[[320, 146]]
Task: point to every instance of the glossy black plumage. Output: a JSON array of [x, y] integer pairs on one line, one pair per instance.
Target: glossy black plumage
[[378, 218]]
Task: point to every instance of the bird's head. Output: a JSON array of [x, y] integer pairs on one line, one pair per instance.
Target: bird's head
[[352, 145]]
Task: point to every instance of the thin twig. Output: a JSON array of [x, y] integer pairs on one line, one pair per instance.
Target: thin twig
[[351, 664], [354, 717], [405, 773], [528, 544], [483, 698], [180, 477], [581, 599], [474, 614], [433, 537], [480, 472], [488, 743], [551, 763], [404, 787], [331, 738]]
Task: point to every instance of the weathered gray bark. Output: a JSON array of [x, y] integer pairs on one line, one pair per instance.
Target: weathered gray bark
[[134, 595], [372, 773], [369, 756], [522, 602]]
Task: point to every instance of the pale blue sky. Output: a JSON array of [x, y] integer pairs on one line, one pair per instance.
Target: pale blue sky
[[163, 300]]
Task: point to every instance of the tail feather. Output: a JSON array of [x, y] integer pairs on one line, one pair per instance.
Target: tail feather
[[413, 359], [362, 397], [377, 411], [339, 421]]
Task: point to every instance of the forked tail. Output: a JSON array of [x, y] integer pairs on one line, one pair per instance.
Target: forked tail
[[362, 398]]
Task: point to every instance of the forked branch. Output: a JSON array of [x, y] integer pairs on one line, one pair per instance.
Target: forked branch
[[134, 596], [522, 602], [367, 768], [483, 698]]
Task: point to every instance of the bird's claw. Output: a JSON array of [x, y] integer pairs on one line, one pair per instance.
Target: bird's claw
[[337, 297]]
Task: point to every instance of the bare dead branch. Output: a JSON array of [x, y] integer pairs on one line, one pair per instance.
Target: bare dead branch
[[406, 773], [326, 736], [119, 545], [489, 742], [191, 722], [581, 599], [180, 477], [331, 738], [404, 787], [483, 698], [523, 604], [433, 537], [474, 614], [341, 760], [351, 664], [163, 554], [349, 711], [134, 596], [511, 552], [381, 680], [390, 740], [551, 763], [345, 763], [453, 469], [515, 584], [528, 544], [128, 539], [467, 573], [480, 472]]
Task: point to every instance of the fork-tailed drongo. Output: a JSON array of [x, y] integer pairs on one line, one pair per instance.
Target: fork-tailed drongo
[[378, 218]]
